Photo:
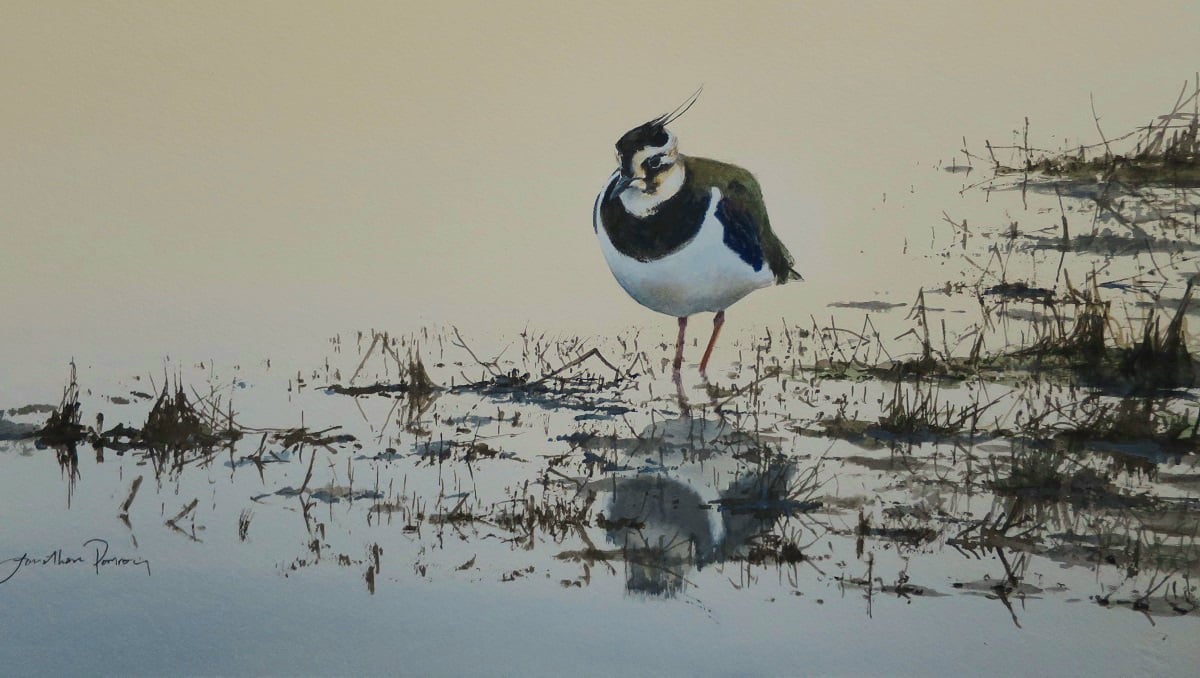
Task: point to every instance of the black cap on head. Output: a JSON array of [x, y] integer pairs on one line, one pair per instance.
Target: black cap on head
[[650, 134]]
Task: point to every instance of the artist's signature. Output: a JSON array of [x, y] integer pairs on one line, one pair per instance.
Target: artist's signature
[[93, 555]]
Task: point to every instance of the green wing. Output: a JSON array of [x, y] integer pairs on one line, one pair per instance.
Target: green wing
[[739, 187]]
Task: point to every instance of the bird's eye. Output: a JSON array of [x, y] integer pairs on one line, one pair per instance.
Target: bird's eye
[[654, 162]]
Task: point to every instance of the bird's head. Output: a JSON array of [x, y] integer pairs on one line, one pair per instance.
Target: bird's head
[[648, 161], [644, 155]]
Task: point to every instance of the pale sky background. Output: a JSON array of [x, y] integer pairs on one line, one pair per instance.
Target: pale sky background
[[222, 176]]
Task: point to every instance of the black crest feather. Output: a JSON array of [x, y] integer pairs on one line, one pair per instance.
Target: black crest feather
[[652, 133]]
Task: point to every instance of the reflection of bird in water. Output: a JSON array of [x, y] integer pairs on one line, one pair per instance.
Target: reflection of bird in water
[[672, 532], [664, 525], [752, 504], [685, 235]]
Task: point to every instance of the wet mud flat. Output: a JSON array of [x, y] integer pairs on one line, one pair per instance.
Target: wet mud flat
[[1022, 436]]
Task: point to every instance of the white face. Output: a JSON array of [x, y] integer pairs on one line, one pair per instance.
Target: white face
[[659, 156], [657, 176]]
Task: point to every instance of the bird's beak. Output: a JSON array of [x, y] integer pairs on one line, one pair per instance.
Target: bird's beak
[[624, 182]]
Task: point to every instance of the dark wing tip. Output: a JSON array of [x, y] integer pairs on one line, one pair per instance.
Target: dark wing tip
[[782, 264]]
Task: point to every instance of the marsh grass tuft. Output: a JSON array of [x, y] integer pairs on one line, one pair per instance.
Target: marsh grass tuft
[[1098, 356], [62, 427], [919, 412], [174, 424], [1162, 360], [1165, 151]]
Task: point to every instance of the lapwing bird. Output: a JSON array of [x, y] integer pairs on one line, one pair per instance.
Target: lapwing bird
[[685, 235]]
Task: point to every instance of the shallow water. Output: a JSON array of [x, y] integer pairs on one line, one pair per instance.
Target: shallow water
[[598, 518], [237, 233]]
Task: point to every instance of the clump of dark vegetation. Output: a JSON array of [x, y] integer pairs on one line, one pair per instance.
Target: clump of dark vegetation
[[918, 413], [1166, 151], [1161, 360], [413, 379], [1090, 347], [62, 427], [175, 425], [1158, 360], [175, 430]]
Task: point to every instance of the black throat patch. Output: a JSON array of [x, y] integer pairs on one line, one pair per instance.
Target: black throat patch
[[676, 221]]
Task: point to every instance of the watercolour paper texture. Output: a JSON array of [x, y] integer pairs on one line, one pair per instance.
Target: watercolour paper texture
[[321, 349]]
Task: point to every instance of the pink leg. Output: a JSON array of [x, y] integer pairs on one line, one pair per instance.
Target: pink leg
[[718, 321], [679, 344]]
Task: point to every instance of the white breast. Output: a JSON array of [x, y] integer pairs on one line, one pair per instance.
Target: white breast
[[702, 276]]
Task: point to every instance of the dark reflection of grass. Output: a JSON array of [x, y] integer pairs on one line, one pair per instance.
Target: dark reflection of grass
[[1134, 421], [1046, 475]]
